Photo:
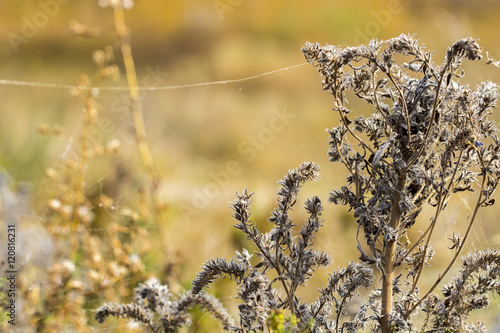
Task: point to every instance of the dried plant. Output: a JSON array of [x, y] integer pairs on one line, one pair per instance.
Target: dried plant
[[428, 138], [86, 239], [85, 260], [289, 255], [153, 298]]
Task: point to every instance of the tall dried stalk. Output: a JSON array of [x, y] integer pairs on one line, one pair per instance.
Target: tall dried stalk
[[140, 129]]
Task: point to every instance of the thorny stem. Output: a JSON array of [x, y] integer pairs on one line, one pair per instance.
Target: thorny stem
[[459, 250], [389, 257], [137, 115]]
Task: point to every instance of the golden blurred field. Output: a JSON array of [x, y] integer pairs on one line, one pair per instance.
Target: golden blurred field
[[207, 141]]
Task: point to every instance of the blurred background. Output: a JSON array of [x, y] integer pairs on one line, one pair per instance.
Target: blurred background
[[207, 141]]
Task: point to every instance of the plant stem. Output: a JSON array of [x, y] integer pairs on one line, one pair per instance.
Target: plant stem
[[439, 208], [140, 129], [390, 256], [459, 250]]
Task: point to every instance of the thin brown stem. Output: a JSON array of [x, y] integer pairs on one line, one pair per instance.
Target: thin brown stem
[[459, 250], [389, 257], [426, 246], [137, 115], [136, 106], [442, 199]]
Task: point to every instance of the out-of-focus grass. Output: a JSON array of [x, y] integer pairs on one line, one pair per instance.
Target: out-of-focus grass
[[195, 132]]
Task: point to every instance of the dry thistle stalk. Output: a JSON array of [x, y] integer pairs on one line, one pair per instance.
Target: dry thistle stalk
[[428, 138]]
